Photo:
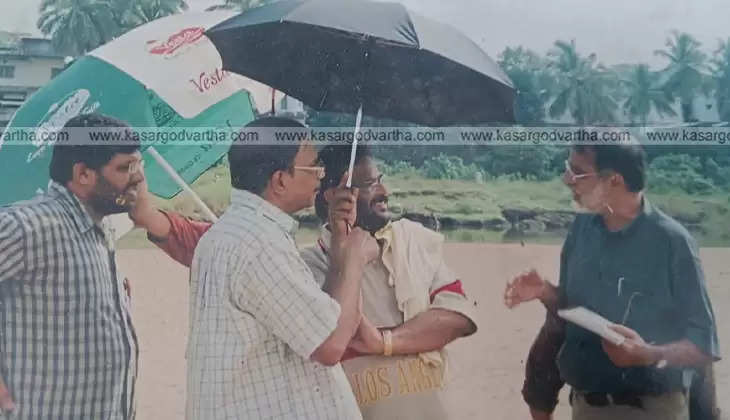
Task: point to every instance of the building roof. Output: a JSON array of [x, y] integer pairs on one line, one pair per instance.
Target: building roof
[[24, 45]]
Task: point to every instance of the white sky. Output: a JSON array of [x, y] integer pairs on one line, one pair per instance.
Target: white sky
[[618, 31]]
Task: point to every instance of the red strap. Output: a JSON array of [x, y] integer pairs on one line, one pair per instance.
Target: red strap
[[454, 287]]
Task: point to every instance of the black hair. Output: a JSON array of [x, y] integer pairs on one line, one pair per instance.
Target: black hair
[[336, 161], [95, 156], [253, 165], [629, 160]]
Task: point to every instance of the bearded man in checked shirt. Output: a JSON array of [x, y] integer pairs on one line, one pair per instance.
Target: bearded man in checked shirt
[[68, 350], [412, 304]]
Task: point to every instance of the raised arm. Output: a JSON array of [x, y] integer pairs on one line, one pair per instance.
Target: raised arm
[[176, 235]]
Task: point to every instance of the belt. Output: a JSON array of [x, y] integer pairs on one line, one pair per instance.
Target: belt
[[599, 399]]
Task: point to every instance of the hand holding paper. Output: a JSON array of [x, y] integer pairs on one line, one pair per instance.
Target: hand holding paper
[[624, 346], [592, 322]]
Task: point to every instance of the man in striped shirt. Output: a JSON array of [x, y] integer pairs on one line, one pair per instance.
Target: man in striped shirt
[[68, 349]]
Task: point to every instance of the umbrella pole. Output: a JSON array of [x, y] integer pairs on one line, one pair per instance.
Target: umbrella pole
[[180, 182], [353, 152]]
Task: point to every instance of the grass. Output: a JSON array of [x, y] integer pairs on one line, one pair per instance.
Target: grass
[[705, 215]]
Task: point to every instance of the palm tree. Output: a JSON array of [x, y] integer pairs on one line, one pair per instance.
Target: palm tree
[[140, 12], [684, 72], [721, 76], [532, 82], [582, 86], [643, 95], [78, 26], [239, 5]]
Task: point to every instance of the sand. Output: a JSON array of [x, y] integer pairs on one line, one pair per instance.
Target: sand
[[487, 369]]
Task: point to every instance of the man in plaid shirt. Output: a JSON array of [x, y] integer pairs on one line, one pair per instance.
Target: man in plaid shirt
[[68, 350], [265, 340]]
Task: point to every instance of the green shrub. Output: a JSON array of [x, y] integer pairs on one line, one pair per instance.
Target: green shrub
[[443, 166], [672, 171]]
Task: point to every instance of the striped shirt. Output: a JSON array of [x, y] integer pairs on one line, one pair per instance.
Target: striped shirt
[[68, 348], [256, 316]]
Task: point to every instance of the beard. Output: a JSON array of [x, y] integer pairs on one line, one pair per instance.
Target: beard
[[592, 202], [105, 199], [368, 218]]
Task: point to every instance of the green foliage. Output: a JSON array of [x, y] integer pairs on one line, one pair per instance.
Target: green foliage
[[720, 175], [239, 5], [138, 12], [684, 72], [644, 95], [721, 78], [443, 166], [533, 81], [582, 85], [78, 26], [669, 172], [399, 167], [523, 162]]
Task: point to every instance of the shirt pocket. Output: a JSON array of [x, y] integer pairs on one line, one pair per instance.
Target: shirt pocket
[[647, 307]]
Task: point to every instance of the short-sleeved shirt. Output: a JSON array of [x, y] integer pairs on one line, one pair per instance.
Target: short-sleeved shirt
[[647, 276], [396, 386], [68, 350], [256, 317]]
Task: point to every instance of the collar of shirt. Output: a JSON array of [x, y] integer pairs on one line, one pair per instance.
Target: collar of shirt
[[384, 237], [81, 217], [646, 211], [252, 202]]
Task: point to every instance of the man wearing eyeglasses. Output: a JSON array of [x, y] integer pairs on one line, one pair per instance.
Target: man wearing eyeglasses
[[640, 269], [69, 350]]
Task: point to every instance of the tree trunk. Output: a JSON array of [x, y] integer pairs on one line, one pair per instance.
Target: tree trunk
[[687, 111]]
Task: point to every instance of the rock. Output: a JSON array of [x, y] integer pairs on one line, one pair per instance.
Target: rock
[[524, 219], [428, 220], [530, 226]]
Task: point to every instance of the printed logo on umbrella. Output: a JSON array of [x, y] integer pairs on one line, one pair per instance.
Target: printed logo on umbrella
[[176, 41], [58, 114]]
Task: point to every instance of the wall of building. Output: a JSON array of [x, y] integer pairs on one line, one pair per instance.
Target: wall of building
[[30, 72]]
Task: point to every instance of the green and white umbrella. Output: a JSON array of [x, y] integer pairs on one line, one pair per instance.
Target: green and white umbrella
[[163, 74]]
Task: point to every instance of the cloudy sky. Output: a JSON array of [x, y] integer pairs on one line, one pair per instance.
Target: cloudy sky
[[617, 30]]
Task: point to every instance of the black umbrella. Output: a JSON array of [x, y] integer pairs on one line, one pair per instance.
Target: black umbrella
[[346, 55]]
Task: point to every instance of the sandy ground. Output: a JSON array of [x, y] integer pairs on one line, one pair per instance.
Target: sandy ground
[[487, 368]]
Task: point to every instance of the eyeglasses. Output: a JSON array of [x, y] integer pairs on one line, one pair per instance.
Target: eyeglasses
[[318, 171], [134, 167], [572, 177], [368, 185]]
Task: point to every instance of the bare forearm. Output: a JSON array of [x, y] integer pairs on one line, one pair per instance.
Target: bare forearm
[[683, 353], [549, 297], [430, 330], [156, 224]]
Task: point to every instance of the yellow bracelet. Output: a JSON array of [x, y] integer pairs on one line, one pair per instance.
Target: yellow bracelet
[[387, 343]]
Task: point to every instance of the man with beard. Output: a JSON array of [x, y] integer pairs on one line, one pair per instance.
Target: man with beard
[[67, 343], [412, 304], [640, 269]]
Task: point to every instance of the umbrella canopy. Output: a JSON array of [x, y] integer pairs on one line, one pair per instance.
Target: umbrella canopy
[[163, 74], [336, 55]]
